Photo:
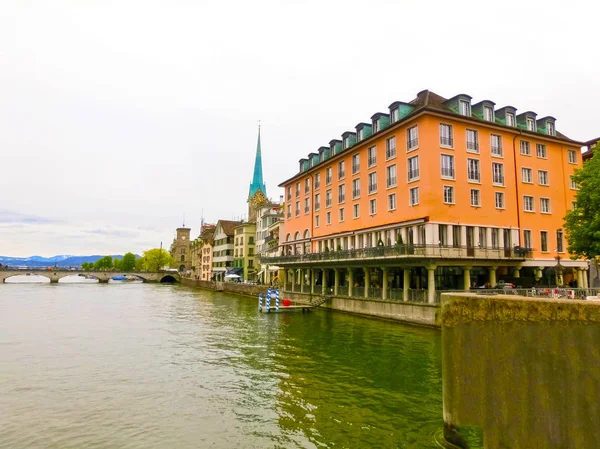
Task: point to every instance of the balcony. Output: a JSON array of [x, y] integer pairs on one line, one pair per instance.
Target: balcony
[[404, 253]]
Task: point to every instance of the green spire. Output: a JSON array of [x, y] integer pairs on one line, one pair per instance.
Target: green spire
[[257, 179]]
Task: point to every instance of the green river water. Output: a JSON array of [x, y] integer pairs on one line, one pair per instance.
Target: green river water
[[160, 366]]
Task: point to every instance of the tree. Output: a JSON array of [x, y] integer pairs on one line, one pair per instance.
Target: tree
[[155, 259], [87, 266], [128, 262], [116, 264], [582, 223], [105, 263]]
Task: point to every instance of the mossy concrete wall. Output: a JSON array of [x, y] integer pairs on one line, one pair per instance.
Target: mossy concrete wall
[[526, 371]]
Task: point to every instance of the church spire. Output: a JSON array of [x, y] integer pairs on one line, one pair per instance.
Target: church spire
[[257, 179]]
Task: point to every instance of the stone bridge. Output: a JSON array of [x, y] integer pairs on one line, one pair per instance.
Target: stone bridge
[[103, 276]]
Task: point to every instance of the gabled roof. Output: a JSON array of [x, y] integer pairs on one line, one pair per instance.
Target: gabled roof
[[227, 226]]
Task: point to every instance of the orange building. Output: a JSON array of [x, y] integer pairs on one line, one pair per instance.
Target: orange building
[[434, 194]]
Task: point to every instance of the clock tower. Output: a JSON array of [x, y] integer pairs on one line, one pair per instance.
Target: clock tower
[[180, 249], [257, 196]]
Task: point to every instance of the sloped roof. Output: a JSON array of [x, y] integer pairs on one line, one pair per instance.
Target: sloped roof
[[228, 226]]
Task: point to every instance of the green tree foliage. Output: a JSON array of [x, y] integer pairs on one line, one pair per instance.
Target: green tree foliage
[[116, 264], [87, 266], [128, 262], [155, 259], [105, 263], [583, 222]]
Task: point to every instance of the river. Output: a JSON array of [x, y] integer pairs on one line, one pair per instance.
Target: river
[[163, 366]]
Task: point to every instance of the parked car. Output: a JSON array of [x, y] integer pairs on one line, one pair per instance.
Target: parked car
[[505, 285]]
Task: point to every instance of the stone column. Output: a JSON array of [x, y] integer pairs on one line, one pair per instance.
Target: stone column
[[467, 278], [284, 272], [406, 284], [367, 281], [350, 281], [431, 284], [293, 273], [301, 280], [384, 283], [312, 281], [336, 281], [579, 273], [539, 273], [517, 272], [493, 276], [585, 279], [323, 283]]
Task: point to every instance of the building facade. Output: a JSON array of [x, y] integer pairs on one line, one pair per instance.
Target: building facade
[[267, 238], [180, 249], [434, 194], [223, 248], [244, 251]]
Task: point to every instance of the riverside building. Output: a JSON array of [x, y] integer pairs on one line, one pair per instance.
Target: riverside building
[[432, 194]]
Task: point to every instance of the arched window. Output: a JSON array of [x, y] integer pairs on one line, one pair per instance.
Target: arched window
[[288, 238], [307, 234], [297, 236]]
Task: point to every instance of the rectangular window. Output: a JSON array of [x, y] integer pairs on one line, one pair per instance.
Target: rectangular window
[[390, 148], [572, 183], [289, 193], [376, 126], [392, 201], [528, 204], [289, 211], [359, 135], [356, 210], [443, 234], [482, 238], [474, 174], [414, 196], [391, 176], [307, 185], [531, 124], [297, 189], [371, 156], [499, 200], [317, 201], [328, 176], [342, 193], [328, 198], [328, 218], [372, 182], [464, 108], [488, 114], [527, 238], [545, 205], [317, 180], [341, 214], [510, 119], [550, 128], [475, 198], [525, 148], [355, 163], [395, 115], [472, 141], [412, 138], [355, 188], [559, 241], [497, 173], [542, 177], [544, 241], [456, 236], [572, 157], [306, 206], [316, 221], [496, 145], [527, 175], [447, 163], [297, 208], [448, 194], [446, 139], [413, 168], [373, 206], [495, 238], [341, 169], [540, 150]]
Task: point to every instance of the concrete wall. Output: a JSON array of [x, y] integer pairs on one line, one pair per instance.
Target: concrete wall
[[523, 370], [413, 313]]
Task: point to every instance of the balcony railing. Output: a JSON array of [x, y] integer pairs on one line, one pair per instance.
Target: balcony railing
[[317, 206], [412, 143], [447, 141], [413, 174], [341, 198], [473, 146], [390, 153], [407, 251], [448, 172], [355, 169], [372, 161], [391, 182], [373, 188], [355, 194], [341, 174]]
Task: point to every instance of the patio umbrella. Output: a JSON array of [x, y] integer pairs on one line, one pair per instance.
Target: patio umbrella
[[232, 276]]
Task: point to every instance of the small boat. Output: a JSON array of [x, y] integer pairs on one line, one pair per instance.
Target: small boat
[[125, 279]]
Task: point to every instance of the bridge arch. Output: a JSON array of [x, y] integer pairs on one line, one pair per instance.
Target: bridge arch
[[168, 279], [26, 278]]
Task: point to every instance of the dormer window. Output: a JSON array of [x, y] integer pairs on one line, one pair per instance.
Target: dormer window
[[395, 115], [488, 114], [359, 135], [347, 142], [550, 128], [375, 126], [464, 108], [530, 124], [510, 119]]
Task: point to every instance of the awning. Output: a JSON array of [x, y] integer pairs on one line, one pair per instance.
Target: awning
[[274, 268]]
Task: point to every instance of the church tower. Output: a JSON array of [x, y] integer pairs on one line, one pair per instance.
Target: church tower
[[257, 195]]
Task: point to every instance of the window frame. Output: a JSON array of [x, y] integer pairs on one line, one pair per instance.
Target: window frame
[[448, 194], [478, 197], [528, 199], [412, 195]]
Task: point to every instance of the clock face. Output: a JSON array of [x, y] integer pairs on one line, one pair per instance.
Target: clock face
[[258, 198]]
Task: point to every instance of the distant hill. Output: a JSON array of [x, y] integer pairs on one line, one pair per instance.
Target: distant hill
[[63, 260]]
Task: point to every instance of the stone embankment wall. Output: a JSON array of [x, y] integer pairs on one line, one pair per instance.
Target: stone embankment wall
[[523, 370], [407, 312]]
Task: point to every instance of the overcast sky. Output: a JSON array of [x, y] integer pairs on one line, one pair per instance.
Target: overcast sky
[[119, 117]]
